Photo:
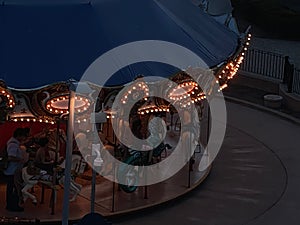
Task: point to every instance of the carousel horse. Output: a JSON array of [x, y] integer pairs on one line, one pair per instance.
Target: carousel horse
[[32, 175]]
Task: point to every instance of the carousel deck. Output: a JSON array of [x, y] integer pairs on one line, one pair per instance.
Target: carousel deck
[[109, 199]]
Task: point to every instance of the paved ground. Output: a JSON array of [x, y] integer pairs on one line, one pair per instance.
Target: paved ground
[[255, 179], [255, 96]]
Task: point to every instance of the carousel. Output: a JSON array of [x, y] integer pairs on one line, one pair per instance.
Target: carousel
[[41, 88]]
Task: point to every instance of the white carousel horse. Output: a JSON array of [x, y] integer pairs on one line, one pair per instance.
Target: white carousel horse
[[32, 175]]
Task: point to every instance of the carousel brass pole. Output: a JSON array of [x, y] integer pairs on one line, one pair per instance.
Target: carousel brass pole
[[93, 188], [70, 129], [57, 140], [208, 126]]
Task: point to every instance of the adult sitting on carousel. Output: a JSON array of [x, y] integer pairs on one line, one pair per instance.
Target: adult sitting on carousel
[[42, 158]]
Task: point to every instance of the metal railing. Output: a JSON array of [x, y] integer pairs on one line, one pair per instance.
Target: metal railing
[[264, 63], [296, 81], [272, 65]]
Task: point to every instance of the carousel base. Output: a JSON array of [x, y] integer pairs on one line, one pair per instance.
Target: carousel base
[[106, 203]]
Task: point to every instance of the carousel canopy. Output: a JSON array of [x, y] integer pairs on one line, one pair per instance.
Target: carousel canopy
[[45, 43]]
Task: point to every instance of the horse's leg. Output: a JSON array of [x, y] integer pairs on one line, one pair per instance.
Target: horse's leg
[[26, 194], [78, 186]]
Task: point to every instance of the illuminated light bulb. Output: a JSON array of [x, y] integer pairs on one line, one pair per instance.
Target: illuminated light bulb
[[8, 96], [217, 81], [84, 108], [107, 117], [245, 49], [56, 110], [52, 122], [28, 120], [156, 110], [196, 88], [124, 102], [46, 121], [34, 120], [10, 106], [76, 98], [63, 98], [147, 93], [125, 96], [78, 110], [129, 92], [61, 111], [22, 119], [15, 120], [133, 87], [220, 76], [78, 121], [3, 92], [147, 111], [247, 43], [84, 120], [193, 93], [113, 116], [152, 110], [67, 112], [10, 100], [142, 113]]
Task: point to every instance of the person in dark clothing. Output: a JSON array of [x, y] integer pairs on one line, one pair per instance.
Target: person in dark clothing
[[15, 162]]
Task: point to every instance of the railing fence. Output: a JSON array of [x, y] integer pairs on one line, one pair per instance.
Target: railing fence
[[264, 63], [296, 81], [272, 65]]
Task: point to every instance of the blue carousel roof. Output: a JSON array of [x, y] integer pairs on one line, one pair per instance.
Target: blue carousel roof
[[45, 43]]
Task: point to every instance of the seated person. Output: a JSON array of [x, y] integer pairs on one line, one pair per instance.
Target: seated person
[[43, 159]]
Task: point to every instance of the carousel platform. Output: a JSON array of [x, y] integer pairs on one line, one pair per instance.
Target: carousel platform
[[110, 200]]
